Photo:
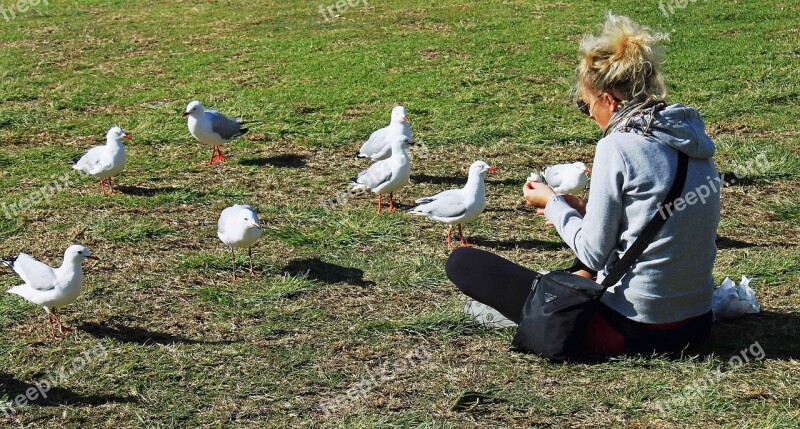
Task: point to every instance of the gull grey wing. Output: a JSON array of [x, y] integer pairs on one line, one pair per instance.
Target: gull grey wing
[[377, 174], [552, 176], [226, 127], [34, 273], [374, 143], [447, 206], [425, 200]]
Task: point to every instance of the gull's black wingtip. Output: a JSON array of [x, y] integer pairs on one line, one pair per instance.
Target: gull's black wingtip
[[243, 131], [9, 262]]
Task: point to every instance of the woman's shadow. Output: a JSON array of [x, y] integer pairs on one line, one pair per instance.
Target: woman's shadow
[[777, 334]]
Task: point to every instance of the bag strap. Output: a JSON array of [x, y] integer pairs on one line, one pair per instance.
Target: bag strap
[[626, 262]]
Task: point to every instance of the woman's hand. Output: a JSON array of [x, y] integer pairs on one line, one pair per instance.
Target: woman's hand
[[574, 202], [537, 193]]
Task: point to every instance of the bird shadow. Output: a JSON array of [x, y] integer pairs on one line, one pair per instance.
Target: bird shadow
[[147, 192], [326, 272], [439, 180], [287, 160], [54, 395], [506, 182], [518, 244], [126, 334]]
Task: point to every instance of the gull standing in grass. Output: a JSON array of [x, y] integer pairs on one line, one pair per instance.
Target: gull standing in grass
[[238, 227], [379, 144], [458, 206], [387, 175], [105, 162], [48, 287], [566, 178], [212, 128]]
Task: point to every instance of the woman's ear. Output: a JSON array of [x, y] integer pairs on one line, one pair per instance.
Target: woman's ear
[[612, 102]]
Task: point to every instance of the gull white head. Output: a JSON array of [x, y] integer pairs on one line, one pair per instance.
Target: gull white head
[[77, 253], [250, 220], [115, 134], [581, 167], [480, 168], [399, 114], [400, 143], [193, 109]]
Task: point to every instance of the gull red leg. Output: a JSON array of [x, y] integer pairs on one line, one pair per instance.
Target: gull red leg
[[52, 328], [391, 201], [61, 327], [463, 242], [220, 156], [380, 202], [233, 263], [250, 254], [449, 231], [103, 185], [213, 153], [110, 186]]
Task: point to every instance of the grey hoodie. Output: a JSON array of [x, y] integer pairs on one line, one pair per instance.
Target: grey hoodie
[[631, 175]]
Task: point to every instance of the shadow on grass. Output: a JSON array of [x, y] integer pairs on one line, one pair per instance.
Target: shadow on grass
[[439, 180], [518, 244], [777, 333], [148, 192], [287, 160], [56, 396], [731, 180], [326, 272], [730, 243], [125, 334]]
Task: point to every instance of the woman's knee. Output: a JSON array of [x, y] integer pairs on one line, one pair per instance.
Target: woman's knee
[[460, 266]]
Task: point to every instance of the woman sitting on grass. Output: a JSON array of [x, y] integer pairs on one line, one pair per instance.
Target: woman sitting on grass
[[663, 303]]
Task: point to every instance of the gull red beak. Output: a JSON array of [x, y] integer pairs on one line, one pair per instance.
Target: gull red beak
[[127, 136], [183, 115], [405, 118], [93, 257], [492, 169], [587, 171]]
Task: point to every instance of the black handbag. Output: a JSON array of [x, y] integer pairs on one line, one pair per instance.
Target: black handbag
[[558, 308]]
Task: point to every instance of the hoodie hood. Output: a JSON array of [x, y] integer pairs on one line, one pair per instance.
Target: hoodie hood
[[677, 126]]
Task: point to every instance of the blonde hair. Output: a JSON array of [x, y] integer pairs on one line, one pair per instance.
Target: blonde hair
[[625, 60]]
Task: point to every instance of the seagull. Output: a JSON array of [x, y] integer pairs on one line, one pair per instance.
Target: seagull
[[457, 206], [48, 287], [212, 128], [238, 227], [387, 175], [379, 144], [105, 162], [566, 178]]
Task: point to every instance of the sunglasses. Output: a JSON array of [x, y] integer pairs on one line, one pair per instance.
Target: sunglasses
[[583, 107]]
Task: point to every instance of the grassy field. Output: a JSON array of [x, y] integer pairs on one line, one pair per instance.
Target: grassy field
[[351, 311]]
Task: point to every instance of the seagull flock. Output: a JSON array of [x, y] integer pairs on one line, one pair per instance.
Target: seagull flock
[[238, 226]]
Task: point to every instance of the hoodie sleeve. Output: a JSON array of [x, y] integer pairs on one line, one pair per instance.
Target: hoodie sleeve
[[594, 237]]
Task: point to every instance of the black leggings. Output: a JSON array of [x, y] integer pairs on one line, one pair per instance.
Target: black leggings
[[490, 279]]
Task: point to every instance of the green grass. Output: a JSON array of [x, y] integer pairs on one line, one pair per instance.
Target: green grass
[[342, 292]]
